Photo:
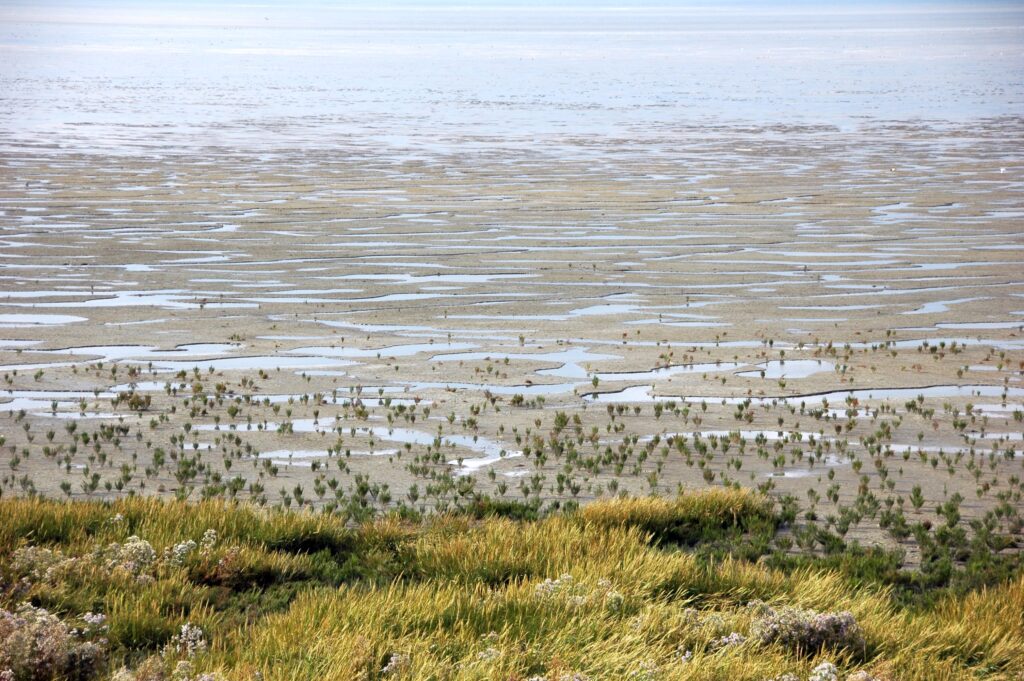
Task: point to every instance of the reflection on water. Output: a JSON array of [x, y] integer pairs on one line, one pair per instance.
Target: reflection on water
[[130, 75]]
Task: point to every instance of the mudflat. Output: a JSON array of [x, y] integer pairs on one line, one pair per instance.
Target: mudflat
[[803, 311], [526, 341]]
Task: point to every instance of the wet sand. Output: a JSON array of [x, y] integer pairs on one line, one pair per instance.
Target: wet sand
[[479, 295]]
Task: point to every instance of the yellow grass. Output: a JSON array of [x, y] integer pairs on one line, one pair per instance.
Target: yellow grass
[[588, 594]]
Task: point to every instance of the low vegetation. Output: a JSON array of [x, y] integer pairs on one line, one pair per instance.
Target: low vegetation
[[151, 589]]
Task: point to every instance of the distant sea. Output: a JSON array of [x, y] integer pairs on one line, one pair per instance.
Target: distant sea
[[128, 76]]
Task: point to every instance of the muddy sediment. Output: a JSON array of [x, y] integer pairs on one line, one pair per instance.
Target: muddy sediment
[[486, 293]]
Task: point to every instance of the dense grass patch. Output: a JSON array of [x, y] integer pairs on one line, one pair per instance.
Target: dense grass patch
[[617, 590]]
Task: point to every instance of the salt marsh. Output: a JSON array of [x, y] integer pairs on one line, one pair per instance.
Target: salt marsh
[[605, 280]]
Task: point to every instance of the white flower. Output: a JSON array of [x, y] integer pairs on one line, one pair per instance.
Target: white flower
[[733, 639], [182, 671], [550, 587], [615, 601], [95, 620], [177, 554], [190, 641], [826, 671], [135, 555], [397, 664], [209, 540], [860, 676]]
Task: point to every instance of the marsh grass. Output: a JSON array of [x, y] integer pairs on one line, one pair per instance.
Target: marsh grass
[[687, 519], [612, 591]]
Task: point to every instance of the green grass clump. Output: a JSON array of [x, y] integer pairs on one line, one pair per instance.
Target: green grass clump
[[687, 519]]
